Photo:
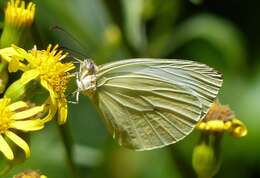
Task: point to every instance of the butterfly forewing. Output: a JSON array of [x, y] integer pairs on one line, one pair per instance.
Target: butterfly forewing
[[150, 103]]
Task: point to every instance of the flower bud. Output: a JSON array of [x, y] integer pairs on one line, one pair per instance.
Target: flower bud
[[205, 161], [18, 18], [16, 91]]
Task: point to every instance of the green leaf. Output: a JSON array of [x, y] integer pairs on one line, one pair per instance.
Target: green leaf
[[217, 32], [134, 27], [87, 21]]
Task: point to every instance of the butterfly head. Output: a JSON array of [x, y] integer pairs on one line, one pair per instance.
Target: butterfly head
[[86, 76]]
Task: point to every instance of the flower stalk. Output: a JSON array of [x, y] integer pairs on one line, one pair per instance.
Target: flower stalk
[[6, 169], [206, 157], [68, 145]]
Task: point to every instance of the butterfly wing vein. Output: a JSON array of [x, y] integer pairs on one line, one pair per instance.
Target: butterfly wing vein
[[148, 103]]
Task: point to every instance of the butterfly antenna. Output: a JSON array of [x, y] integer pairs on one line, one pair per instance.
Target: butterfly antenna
[[73, 51], [60, 29]]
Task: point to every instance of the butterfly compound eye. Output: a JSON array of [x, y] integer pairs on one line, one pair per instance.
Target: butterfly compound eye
[[91, 67]]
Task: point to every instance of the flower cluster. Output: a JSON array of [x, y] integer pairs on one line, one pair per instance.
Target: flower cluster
[[221, 119], [42, 70], [44, 66], [17, 116]]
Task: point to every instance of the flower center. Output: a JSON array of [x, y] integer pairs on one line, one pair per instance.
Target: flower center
[[51, 69], [58, 81], [5, 120]]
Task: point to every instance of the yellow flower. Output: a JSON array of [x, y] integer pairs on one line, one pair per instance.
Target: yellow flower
[[30, 174], [219, 119], [17, 14], [17, 116], [18, 19], [45, 66]]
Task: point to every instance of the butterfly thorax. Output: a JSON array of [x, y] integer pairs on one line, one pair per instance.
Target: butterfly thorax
[[86, 77]]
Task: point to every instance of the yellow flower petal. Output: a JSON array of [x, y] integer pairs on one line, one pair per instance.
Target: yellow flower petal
[[68, 67], [62, 113], [239, 132], [4, 102], [52, 111], [29, 76], [227, 125], [14, 65], [7, 53], [28, 125], [17, 105], [27, 113], [19, 141], [20, 51], [5, 149], [238, 128], [201, 125], [212, 125], [215, 125], [53, 95]]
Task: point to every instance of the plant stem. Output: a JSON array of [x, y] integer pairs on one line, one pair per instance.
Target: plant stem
[[185, 169], [68, 145]]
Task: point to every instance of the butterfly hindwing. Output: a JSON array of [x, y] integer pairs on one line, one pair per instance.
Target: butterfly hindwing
[[150, 103]]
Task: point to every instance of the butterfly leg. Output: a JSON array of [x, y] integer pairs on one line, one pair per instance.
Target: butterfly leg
[[76, 94], [77, 59]]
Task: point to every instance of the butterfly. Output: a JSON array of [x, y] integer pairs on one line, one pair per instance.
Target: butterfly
[[149, 103]]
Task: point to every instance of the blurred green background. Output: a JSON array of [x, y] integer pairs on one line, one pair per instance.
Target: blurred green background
[[221, 33]]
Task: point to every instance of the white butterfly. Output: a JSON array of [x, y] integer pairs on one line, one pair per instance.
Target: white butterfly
[[149, 103]]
